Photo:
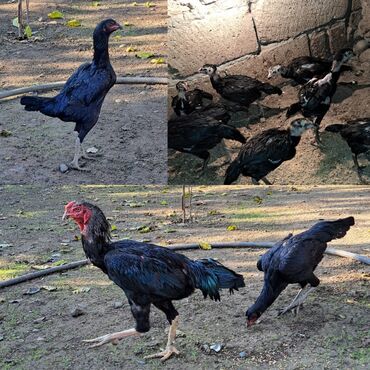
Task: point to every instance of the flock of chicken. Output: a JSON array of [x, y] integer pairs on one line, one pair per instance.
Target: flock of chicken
[[201, 124], [149, 274]]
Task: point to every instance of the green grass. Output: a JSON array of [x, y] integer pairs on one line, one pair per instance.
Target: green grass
[[12, 270], [362, 355]]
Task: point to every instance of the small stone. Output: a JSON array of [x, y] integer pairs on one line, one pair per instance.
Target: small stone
[[31, 291], [78, 311], [205, 348], [243, 354], [360, 46], [92, 150], [117, 304], [63, 168], [118, 101], [4, 245], [49, 288], [365, 56], [1, 337], [217, 347], [15, 301], [55, 257], [39, 320]]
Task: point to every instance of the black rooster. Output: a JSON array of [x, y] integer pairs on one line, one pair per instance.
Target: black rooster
[[187, 101], [303, 69], [147, 273], [357, 135], [82, 96], [293, 261], [196, 134], [314, 98], [242, 90], [266, 151]]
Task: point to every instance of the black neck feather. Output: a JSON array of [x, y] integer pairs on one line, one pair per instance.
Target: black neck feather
[[267, 297], [96, 239], [295, 140], [101, 54], [215, 79]]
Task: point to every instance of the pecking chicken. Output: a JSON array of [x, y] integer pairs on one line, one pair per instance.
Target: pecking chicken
[[293, 261]]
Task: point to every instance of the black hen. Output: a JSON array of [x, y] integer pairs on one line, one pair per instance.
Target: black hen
[[242, 90], [82, 96], [147, 273], [303, 69], [197, 134], [293, 261], [266, 151], [357, 135], [187, 101], [314, 98]]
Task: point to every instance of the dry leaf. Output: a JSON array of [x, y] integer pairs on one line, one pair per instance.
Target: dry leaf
[[56, 14], [231, 228], [144, 55], [28, 31], [130, 49], [74, 23], [205, 246], [157, 61]]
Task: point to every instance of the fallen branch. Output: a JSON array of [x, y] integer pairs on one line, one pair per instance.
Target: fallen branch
[[59, 84], [51, 270], [355, 256], [183, 247], [177, 247]]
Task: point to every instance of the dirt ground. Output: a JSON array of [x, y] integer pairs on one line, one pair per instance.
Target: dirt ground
[[131, 131], [331, 164], [37, 331]]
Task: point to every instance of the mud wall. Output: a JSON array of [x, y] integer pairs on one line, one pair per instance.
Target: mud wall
[[249, 36]]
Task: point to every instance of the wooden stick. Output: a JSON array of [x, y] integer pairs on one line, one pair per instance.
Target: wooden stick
[[20, 20], [51, 270], [28, 11], [355, 256], [57, 85], [235, 245], [177, 247]]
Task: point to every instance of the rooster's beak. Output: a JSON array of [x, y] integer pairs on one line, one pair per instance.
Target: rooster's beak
[[116, 27], [65, 216]]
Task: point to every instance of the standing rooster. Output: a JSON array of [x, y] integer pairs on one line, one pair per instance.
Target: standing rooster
[[294, 260], [239, 90], [147, 273], [82, 96], [315, 97]]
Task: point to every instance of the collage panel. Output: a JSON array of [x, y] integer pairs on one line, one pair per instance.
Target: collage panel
[[268, 92], [46, 319], [120, 126]]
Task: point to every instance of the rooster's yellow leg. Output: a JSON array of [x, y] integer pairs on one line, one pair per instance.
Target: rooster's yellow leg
[[112, 338], [170, 348]]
